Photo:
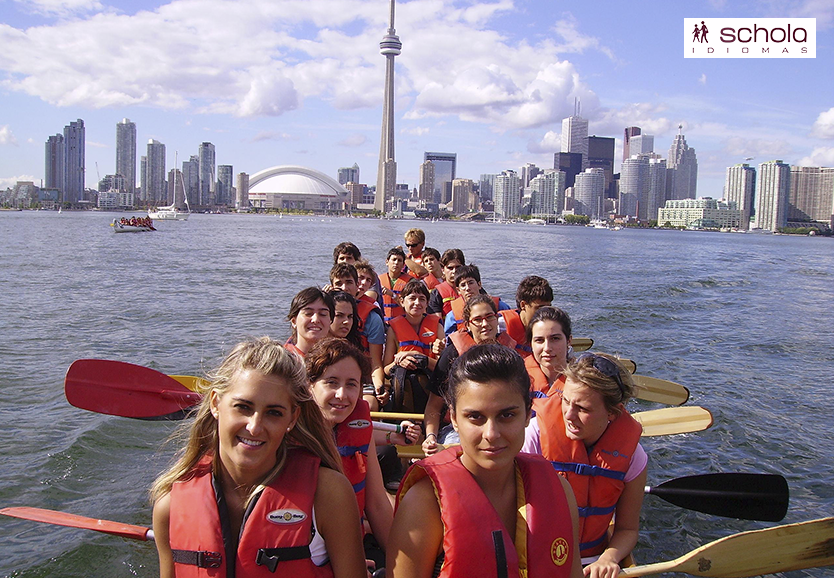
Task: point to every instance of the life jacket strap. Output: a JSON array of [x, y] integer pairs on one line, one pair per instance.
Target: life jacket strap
[[588, 470], [201, 559], [270, 557]]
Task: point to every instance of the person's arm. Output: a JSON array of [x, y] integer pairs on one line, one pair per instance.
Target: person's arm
[[391, 347], [339, 525], [450, 324], [626, 530], [431, 422], [378, 507], [576, 566], [417, 270], [161, 517], [375, 334], [437, 347], [435, 302], [416, 535]]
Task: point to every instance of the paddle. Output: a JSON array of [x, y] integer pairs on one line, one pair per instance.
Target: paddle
[[755, 553], [660, 390], [74, 521], [581, 343], [673, 420]]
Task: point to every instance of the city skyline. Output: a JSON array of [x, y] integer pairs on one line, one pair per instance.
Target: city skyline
[[491, 82]]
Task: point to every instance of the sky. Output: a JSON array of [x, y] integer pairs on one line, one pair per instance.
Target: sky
[[299, 82]]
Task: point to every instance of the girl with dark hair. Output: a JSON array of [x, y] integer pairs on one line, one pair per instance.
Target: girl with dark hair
[[549, 336], [311, 313], [345, 324]]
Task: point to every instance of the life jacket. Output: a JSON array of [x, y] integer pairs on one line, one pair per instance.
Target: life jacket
[[538, 380], [596, 477], [410, 340], [463, 340], [471, 525], [517, 331], [276, 532], [290, 346], [364, 307], [353, 437], [449, 294], [457, 308], [431, 281], [390, 305]]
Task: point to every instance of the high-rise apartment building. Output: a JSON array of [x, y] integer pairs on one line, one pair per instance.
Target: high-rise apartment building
[[773, 186], [505, 194], [575, 137], [143, 178], [526, 174], [682, 164], [601, 156], [126, 153], [207, 189], [740, 188], [630, 131], [242, 197], [634, 184], [156, 191], [191, 179], [463, 196], [225, 185], [425, 189], [54, 169], [812, 194], [656, 197], [74, 161], [445, 167], [588, 193], [356, 192], [176, 190], [348, 174], [547, 193], [485, 184]]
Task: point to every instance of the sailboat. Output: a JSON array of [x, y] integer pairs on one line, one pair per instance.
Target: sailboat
[[170, 213]]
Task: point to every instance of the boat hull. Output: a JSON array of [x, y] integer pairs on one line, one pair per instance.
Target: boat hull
[[119, 228], [168, 216]]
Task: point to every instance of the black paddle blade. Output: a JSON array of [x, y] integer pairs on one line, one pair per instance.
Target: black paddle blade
[[744, 496]]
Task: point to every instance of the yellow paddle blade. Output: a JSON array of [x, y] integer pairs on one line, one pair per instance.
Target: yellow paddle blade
[[673, 420], [660, 390], [581, 343]]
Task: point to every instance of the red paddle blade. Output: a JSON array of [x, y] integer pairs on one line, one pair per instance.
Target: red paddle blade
[[125, 389], [73, 521]]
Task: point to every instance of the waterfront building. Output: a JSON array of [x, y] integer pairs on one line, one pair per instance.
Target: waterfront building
[[207, 185], [588, 192], [634, 184], [155, 190], [811, 194], [505, 195], [630, 131], [126, 152], [682, 164], [191, 179], [740, 188], [575, 136], [485, 184], [601, 156], [54, 161], [143, 177], [225, 185], [547, 193], [426, 186], [242, 197], [348, 174], [74, 161], [464, 199], [772, 192], [445, 168], [112, 183], [703, 213], [527, 173], [356, 192], [294, 187], [656, 196], [570, 164], [386, 179]]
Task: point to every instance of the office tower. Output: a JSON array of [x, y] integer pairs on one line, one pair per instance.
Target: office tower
[[207, 188], [74, 151], [570, 164], [356, 192], [445, 165], [191, 179], [426, 187], [225, 185], [575, 136], [505, 195], [386, 178], [112, 183], [634, 184], [463, 196], [812, 194], [485, 184], [242, 197], [348, 174], [126, 153], [682, 164], [175, 188], [641, 144], [54, 168], [740, 188], [588, 192], [157, 191], [547, 193], [526, 174], [772, 191], [630, 131], [656, 196], [601, 156]]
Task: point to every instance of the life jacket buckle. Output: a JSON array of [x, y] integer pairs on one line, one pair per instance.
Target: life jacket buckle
[[209, 559], [268, 560]]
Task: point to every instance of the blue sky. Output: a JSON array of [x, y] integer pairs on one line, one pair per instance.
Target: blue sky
[[299, 82]]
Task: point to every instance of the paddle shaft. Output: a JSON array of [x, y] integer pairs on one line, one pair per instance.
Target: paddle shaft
[[75, 521]]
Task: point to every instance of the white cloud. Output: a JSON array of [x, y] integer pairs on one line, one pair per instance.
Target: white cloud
[[703, 78], [758, 148], [574, 41], [8, 182], [61, 8], [550, 143], [7, 136], [271, 135], [417, 130], [97, 145], [819, 157], [355, 140], [647, 116], [824, 125]]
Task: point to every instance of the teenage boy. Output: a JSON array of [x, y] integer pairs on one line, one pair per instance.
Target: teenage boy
[[442, 296], [346, 252], [431, 261], [392, 283], [533, 292], [468, 284]]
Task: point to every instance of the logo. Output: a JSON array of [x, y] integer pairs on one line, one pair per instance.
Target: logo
[[427, 334], [559, 551], [359, 423], [283, 517], [750, 37]]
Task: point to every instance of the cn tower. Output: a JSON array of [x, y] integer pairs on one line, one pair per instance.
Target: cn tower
[[386, 177]]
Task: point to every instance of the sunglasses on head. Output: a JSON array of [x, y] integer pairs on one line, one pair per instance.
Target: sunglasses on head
[[606, 367]]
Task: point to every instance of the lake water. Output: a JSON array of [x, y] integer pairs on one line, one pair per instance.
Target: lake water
[[745, 321]]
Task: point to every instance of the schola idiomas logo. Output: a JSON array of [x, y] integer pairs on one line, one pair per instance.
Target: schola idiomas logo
[[750, 37]]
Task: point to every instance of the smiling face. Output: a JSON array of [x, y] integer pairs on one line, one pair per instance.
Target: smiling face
[[584, 413], [415, 305], [343, 321], [490, 418], [550, 347], [253, 416], [338, 389], [483, 323], [311, 324]]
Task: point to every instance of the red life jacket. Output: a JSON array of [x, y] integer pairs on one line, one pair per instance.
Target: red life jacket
[[410, 340], [517, 331], [364, 307], [275, 535], [596, 478], [470, 522], [539, 382], [449, 294], [290, 346], [353, 437], [391, 306], [463, 340], [457, 308], [431, 281]]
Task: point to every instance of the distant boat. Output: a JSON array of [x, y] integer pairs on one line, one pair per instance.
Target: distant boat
[[536, 222], [170, 213], [120, 228]]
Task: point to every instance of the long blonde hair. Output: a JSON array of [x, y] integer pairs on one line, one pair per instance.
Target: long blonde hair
[[269, 358]]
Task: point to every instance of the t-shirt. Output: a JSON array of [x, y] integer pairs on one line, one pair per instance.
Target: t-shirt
[[374, 329]]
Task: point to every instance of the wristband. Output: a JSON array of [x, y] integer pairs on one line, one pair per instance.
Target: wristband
[[431, 434]]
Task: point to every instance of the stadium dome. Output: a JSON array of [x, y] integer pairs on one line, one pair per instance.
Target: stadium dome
[[294, 180]]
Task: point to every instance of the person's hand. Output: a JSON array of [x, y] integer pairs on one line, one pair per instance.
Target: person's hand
[[602, 569], [383, 394], [411, 432], [430, 444], [438, 346], [327, 288], [405, 359]]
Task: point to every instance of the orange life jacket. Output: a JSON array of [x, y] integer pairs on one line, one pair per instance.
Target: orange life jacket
[[364, 307], [449, 294], [596, 477], [463, 340], [457, 308], [539, 382], [353, 437], [431, 281], [391, 306], [517, 331], [472, 528], [290, 346], [275, 535], [410, 340]]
